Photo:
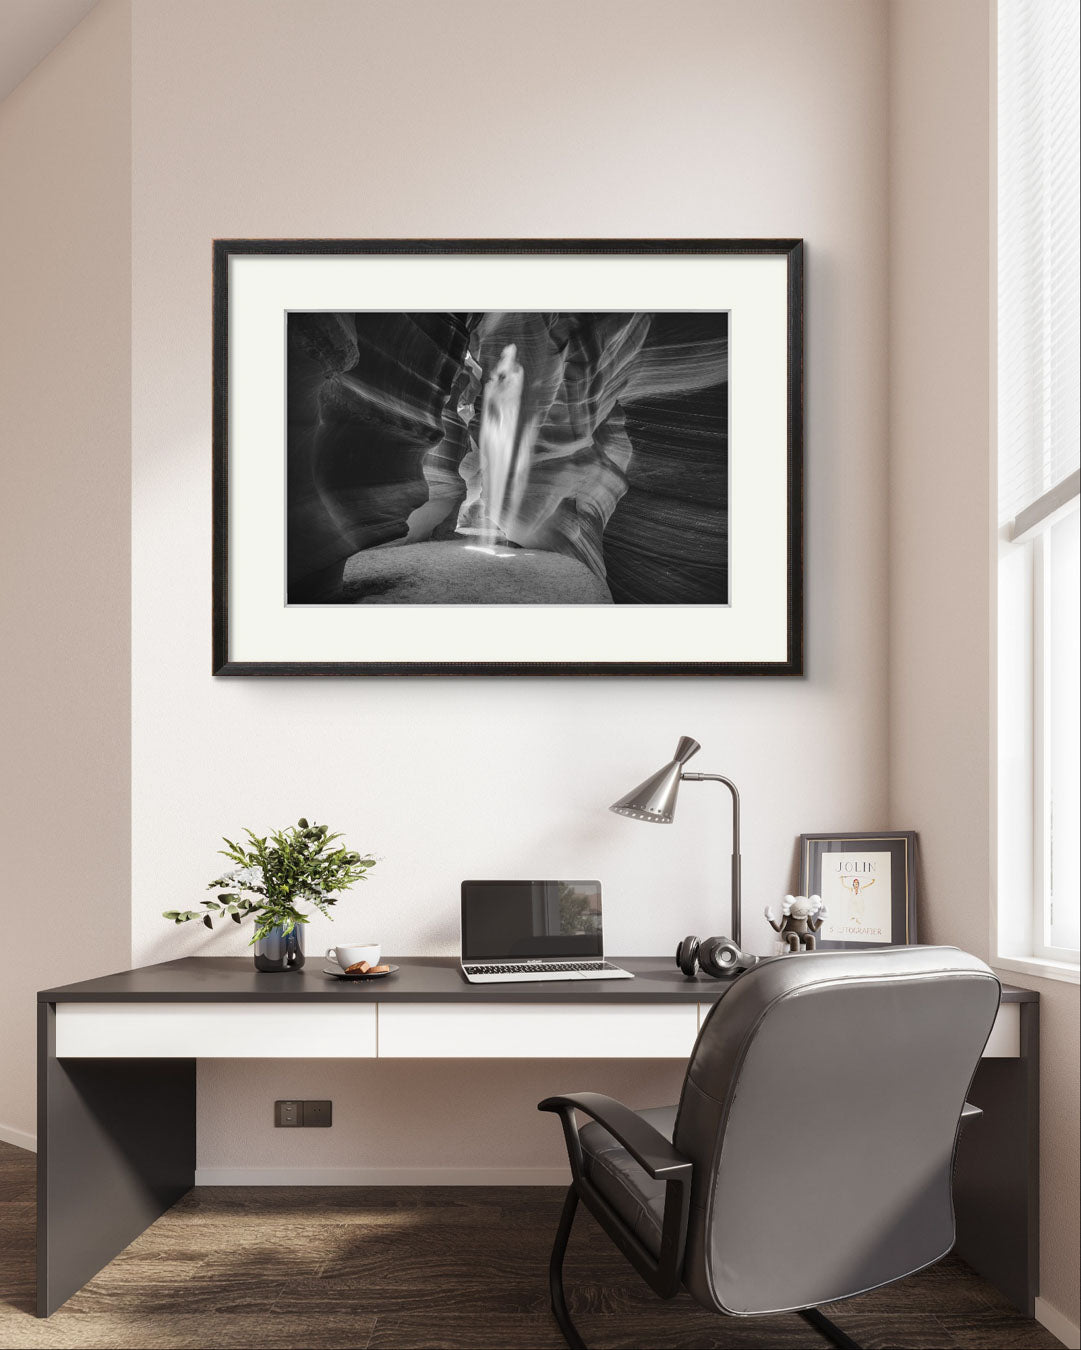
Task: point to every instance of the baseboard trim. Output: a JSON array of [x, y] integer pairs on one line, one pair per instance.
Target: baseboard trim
[[10, 1135], [382, 1176], [1058, 1324]]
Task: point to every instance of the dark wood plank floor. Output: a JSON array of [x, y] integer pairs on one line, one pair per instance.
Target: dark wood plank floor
[[422, 1267]]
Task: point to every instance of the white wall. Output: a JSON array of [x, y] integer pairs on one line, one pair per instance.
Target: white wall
[[623, 118], [942, 586], [65, 485]]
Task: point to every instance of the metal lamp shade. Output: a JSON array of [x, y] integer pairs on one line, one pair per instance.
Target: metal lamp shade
[[655, 799]]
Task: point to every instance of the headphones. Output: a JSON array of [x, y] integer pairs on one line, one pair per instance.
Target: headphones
[[716, 956]]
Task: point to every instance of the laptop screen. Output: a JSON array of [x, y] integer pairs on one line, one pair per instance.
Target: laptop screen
[[519, 920]]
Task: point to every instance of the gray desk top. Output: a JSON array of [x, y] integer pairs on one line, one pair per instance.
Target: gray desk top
[[421, 979]]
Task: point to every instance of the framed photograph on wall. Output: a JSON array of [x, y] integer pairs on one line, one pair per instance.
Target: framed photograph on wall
[[867, 883], [518, 457]]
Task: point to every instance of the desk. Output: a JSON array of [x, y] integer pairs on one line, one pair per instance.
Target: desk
[[116, 1081]]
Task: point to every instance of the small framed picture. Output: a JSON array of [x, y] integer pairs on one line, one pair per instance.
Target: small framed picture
[[867, 883]]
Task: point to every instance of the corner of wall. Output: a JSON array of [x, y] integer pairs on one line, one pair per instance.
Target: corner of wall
[[939, 444], [65, 386]]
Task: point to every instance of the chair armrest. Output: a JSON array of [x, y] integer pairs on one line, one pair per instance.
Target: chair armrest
[[656, 1156], [647, 1146], [969, 1113]]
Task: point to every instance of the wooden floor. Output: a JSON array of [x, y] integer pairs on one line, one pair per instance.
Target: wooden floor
[[374, 1267]]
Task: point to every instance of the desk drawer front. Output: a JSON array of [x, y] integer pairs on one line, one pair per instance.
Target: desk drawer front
[[214, 1031], [1004, 1041], [535, 1031], [400, 1030]]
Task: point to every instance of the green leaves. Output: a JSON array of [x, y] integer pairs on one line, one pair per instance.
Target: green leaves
[[274, 873]]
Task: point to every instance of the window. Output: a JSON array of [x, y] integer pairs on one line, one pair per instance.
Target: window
[[1039, 411]]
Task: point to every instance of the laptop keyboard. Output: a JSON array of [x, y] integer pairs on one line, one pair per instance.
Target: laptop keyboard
[[540, 967]]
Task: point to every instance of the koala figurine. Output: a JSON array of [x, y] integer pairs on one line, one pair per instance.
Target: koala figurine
[[801, 918]]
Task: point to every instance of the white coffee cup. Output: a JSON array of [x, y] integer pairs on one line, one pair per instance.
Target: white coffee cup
[[350, 956]]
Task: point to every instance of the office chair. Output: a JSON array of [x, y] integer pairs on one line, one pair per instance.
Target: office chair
[[810, 1158]]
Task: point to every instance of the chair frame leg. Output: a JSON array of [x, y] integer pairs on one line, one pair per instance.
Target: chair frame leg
[[561, 1313], [555, 1273], [830, 1330]]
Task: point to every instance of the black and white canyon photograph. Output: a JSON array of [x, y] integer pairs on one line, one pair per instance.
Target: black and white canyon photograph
[[507, 458]]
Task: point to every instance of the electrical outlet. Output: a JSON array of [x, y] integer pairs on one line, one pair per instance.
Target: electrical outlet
[[316, 1113], [288, 1113]]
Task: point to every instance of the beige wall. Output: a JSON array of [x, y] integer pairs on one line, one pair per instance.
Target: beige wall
[[942, 593], [65, 489], [337, 118]]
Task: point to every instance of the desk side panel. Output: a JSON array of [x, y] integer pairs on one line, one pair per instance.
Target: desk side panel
[[116, 1148], [996, 1177]]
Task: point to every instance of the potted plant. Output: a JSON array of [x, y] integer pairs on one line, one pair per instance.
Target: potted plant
[[274, 874]]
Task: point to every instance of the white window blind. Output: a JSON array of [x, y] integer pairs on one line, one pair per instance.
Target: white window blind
[[1039, 258]]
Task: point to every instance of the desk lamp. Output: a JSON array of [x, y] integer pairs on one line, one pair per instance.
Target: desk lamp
[[655, 801]]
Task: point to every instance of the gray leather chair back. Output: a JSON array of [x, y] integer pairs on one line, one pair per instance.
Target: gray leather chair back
[[821, 1109]]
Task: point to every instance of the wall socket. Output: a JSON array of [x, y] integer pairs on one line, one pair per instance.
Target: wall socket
[[295, 1114], [288, 1113], [316, 1114]]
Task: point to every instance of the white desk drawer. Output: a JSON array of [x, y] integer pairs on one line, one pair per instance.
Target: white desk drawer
[[535, 1031], [405, 1031], [1004, 1041], [215, 1031]]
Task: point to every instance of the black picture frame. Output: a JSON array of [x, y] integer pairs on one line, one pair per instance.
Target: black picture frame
[[900, 845], [224, 662]]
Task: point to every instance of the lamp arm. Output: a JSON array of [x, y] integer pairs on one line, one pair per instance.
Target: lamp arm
[[736, 901]]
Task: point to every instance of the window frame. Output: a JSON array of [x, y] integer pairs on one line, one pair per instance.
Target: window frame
[[1040, 544], [1021, 916]]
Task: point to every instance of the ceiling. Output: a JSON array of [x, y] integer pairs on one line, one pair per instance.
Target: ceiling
[[29, 30]]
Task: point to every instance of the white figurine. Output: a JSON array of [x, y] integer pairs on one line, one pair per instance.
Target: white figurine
[[802, 917]]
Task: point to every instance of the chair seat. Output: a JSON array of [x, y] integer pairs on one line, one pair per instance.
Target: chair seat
[[632, 1193]]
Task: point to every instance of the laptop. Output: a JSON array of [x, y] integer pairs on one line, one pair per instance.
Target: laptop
[[514, 931]]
